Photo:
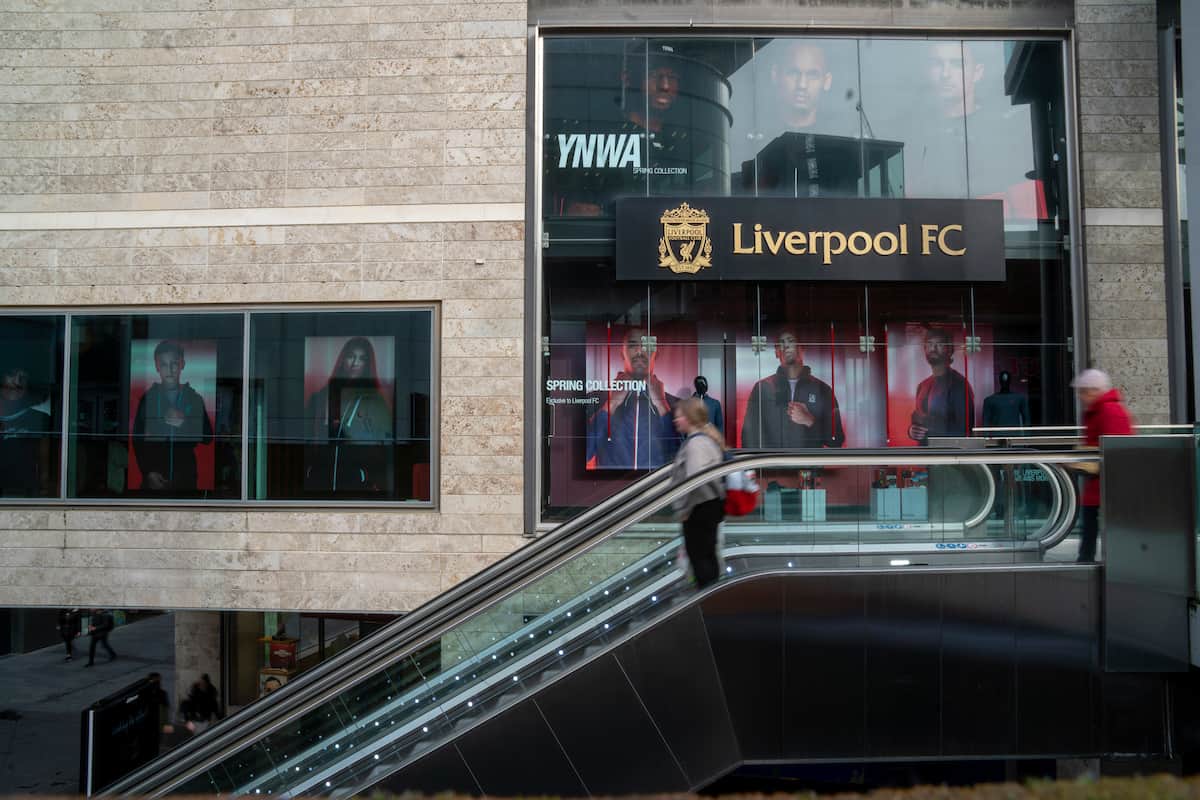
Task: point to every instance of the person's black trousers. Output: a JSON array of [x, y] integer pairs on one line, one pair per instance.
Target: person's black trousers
[[700, 540], [102, 639], [1091, 530]]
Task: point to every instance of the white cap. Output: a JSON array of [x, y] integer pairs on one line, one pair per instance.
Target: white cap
[[1092, 379]]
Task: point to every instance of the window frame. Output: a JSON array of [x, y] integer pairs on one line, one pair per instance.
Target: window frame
[[246, 312]]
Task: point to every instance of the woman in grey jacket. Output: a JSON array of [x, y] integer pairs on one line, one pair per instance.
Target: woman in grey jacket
[[703, 508]]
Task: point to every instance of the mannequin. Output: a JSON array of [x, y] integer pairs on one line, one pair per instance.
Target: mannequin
[[712, 405], [1006, 408]]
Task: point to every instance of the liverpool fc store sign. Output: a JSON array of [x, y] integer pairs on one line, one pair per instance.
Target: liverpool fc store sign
[[838, 239]]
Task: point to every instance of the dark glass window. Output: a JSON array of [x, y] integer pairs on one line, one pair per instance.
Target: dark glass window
[[807, 140], [792, 363], [31, 373], [340, 405], [156, 402]]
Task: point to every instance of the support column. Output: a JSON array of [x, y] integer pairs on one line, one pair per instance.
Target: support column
[[1117, 53], [197, 650]]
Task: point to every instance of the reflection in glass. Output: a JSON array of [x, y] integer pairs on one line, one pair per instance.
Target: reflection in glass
[[156, 406], [689, 137], [30, 405], [913, 93], [340, 405], [807, 133], [1016, 134], [601, 99]]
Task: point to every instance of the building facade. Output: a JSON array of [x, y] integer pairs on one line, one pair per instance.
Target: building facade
[[323, 307]]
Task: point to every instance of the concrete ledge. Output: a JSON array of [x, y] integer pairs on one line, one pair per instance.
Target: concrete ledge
[[243, 217], [1123, 216]]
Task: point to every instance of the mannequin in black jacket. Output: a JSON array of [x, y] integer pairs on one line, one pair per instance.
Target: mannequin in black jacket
[[1006, 408]]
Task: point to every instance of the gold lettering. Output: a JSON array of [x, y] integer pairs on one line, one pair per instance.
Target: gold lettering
[[862, 249], [928, 235], [832, 249], [738, 247], [827, 244], [886, 236], [773, 243], [945, 248]]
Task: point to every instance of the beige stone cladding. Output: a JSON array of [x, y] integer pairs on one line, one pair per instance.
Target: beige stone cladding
[[208, 152], [257, 558], [128, 105], [1122, 198]]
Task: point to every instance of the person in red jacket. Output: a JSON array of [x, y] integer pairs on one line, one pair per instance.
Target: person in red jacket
[[1103, 415]]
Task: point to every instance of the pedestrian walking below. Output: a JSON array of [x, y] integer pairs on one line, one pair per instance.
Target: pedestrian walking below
[[1103, 415], [703, 508], [101, 625], [68, 629]]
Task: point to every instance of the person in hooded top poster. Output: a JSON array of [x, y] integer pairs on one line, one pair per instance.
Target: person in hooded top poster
[[350, 424], [170, 422], [24, 435], [792, 408]]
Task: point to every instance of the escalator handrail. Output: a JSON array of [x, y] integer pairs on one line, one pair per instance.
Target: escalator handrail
[[388, 632], [528, 563], [1066, 514]]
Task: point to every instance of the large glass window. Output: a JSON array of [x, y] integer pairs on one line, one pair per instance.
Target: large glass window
[[340, 405], [266, 650], [156, 406], [788, 363], [802, 117], [30, 405]]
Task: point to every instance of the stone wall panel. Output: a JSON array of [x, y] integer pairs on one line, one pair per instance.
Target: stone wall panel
[[125, 105]]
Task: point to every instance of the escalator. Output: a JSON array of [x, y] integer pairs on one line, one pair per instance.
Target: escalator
[[589, 647]]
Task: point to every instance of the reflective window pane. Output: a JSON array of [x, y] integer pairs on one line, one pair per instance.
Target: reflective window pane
[[31, 372], [595, 124], [690, 113], [1016, 138], [808, 132], [901, 361], [156, 406], [913, 98], [340, 405]]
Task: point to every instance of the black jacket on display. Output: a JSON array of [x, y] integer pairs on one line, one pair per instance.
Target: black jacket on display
[[767, 424]]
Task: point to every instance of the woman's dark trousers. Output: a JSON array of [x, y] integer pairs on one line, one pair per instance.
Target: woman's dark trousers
[[700, 539]]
